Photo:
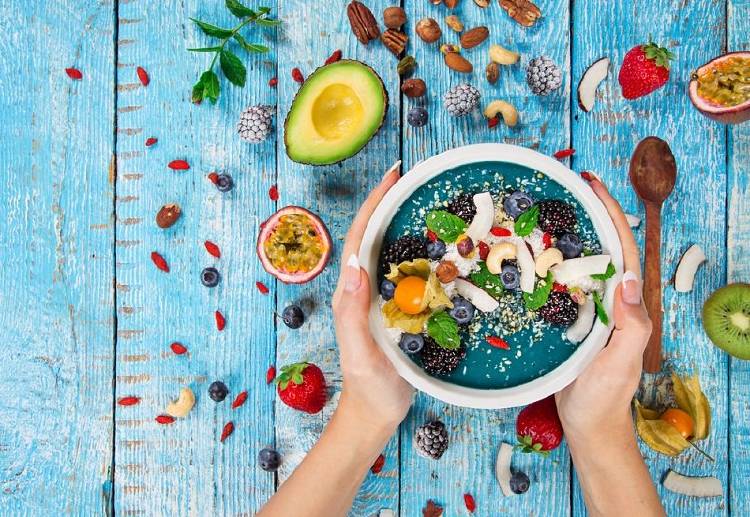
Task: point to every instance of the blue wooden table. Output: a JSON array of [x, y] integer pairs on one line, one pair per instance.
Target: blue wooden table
[[87, 319]]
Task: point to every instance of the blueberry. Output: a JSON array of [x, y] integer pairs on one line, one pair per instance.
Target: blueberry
[[417, 117], [210, 277], [436, 249], [519, 482], [411, 343], [517, 203], [570, 245], [224, 182], [269, 459], [509, 276], [462, 311], [293, 316], [387, 288], [218, 391]]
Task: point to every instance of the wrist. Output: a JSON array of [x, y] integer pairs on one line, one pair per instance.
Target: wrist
[[363, 424], [597, 441]]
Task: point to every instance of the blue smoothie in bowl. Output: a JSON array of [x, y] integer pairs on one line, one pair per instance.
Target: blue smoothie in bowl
[[490, 275]]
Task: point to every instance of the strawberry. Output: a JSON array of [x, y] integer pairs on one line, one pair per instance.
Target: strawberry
[[644, 69], [538, 427], [302, 386]]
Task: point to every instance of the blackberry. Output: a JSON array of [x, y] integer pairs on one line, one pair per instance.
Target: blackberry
[[560, 309], [439, 360], [461, 100], [556, 216], [255, 123], [463, 206], [431, 439], [543, 75], [408, 247]]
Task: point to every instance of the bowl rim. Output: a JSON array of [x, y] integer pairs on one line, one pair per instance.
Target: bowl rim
[[542, 386]]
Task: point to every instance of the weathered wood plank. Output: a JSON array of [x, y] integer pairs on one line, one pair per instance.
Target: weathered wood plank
[[313, 32], [56, 234], [694, 213], [183, 469], [468, 464], [738, 270]]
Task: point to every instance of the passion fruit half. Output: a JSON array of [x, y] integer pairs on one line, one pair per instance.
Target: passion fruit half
[[720, 89], [294, 245]]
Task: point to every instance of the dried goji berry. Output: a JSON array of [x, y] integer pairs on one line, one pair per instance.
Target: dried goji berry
[[500, 232], [159, 262], [498, 342], [129, 401], [220, 321], [261, 287], [212, 249], [178, 165], [272, 82], [336, 56], [143, 76], [270, 374], [564, 153], [493, 122], [165, 419], [228, 429], [378, 465], [273, 193], [471, 505], [74, 73], [178, 348], [484, 250], [151, 141], [213, 178], [586, 175], [239, 400], [297, 75], [560, 288], [547, 240], [431, 235]]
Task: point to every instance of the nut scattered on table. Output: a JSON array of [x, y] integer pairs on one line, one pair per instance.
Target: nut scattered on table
[[414, 88], [474, 37], [394, 17], [395, 41], [482, 3], [503, 56], [524, 12], [458, 63], [406, 65], [428, 30], [454, 22], [168, 215], [492, 72], [181, 407], [445, 48], [363, 23], [506, 110], [450, 4]]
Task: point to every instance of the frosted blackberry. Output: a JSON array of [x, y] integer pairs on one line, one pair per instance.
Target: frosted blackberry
[[461, 100], [408, 247], [560, 309], [431, 439], [255, 123], [439, 360], [463, 206], [556, 216], [543, 75]]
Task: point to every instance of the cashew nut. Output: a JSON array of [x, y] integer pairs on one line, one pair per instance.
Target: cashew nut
[[503, 56], [509, 113], [181, 407], [547, 259], [498, 253]]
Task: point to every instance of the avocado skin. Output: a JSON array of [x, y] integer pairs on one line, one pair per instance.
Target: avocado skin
[[382, 120]]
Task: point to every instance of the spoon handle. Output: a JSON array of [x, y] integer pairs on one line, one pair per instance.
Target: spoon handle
[[652, 287]]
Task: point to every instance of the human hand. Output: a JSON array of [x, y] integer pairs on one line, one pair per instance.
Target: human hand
[[373, 392], [596, 405]]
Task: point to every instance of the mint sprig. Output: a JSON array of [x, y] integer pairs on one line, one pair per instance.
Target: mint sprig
[[535, 299], [609, 273], [444, 330], [447, 226], [233, 68], [490, 282], [601, 312], [527, 221]]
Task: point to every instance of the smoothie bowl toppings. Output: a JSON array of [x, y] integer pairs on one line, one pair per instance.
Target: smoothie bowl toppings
[[491, 274]]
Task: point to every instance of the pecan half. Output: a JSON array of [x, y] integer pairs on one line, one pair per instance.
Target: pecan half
[[395, 41], [364, 25], [524, 12]]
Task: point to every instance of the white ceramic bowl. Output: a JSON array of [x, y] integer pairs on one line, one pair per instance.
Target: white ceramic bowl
[[542, 386]]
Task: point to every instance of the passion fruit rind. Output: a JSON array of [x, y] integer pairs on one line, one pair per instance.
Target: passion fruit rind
[[735, 111], [294, 245]]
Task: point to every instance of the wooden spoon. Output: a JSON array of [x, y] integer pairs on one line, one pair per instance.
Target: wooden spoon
[[653, 173]]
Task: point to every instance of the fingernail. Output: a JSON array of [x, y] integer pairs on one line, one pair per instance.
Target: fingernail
[[394, 167], [352, 276], [631, 288]]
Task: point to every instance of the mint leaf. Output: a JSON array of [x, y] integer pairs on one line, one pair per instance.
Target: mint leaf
[[447, 226], [527, 221], [609, 273], [205, 49], [197, 94], [267, 22], [233, 68], [539, 296], [601, 312], [264, 10], [212, 30], [444, 330], [211, 86], [250, 47], [487, 281], [239, 10]]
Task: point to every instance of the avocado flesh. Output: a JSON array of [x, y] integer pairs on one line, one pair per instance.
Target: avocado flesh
[[336, 112]]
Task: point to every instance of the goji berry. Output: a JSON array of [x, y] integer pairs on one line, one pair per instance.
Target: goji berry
[[500, 232], [564, 153], [471, 505], [560, 288], [178, 165], [497, 342], [228, 429], [213, 178], [159, 262], [336, 56], [273, 193], [270, 374], [431, 235], [378, 465], [151, 141], [212, 249], [547, 240], [178, 348], [484, 250], [239, 400], [493, 122], [297, 75], [74, 73], [586, 175], [165, 419], [143, 76], [129, 401], [272, 82], [220, 321], [261, 287]]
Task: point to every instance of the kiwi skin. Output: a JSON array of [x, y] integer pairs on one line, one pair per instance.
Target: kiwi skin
[[731, 302]]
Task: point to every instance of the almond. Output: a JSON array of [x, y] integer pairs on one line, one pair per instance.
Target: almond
[[474, 37], [458, 63]]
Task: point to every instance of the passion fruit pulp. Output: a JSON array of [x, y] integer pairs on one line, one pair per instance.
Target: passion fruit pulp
[[294, 245], [720, 89]]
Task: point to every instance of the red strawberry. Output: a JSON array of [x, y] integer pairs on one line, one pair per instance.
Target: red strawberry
[[302, 386], [538, 427], [644, 69]]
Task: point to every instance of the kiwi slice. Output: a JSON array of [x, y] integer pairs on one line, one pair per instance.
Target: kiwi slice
[[726, 318]]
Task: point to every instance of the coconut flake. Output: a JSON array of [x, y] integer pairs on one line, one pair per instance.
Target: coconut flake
[[482, 222], [571, 270], [476, 295], [386, 512], [693, 486], [633, 220], [578, 331], [526, 266], [687, 268], [590, 81], [502, 468]]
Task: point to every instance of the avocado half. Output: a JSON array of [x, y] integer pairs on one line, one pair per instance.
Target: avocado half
[[337, 110]]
